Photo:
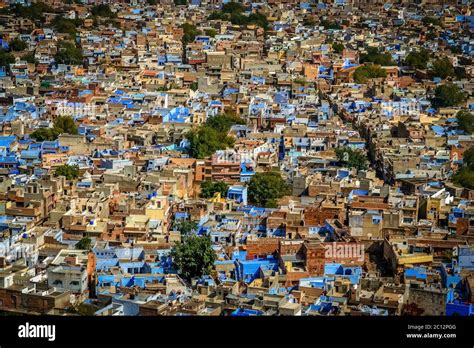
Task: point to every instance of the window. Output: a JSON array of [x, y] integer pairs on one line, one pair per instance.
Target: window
[[376, 220]]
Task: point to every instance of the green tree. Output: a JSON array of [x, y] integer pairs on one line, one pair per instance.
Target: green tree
[[209, 188], [218, 15], [185, 227], [431, 20], [66, 25], [374, 56], [204, 141], [234, 12], [468, 158], [102, 10], [180, 2], [6, 59], [112, 22], [212, 136], [456, 49], [70, 172], [30, 58], [352, 158], [299, 81], [465, 175], [466, 121], [193, 257], [233, 7], [418, 59], [189, 33], [442, 68], [35, 11], [210, 32], [465, 178], [45, 134], [84, 309], [431, 35], [152, 2], [309, 21], [338, 47], [363, 73], [329, 25], [460, 73], [65, 124], [62, 124], [18, 45], [194, 86], [448, 95], [68, 53], [223, 123], [265, 188], [84, 244], [258, 19]]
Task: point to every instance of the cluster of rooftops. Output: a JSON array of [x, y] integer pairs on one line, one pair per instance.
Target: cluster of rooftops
[[342, 99]]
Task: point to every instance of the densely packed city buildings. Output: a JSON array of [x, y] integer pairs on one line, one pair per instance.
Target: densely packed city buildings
[[204, 157]]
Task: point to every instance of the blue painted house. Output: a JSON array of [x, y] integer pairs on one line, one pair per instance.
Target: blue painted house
[[238, 194]]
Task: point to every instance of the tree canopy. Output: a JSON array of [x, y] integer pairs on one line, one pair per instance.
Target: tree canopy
[[338, 47], [465, 178], [431, 20], [442, 68], [456, 49], [363, 73], [309, 21], [468, 158], [212, 136], [233, 7], [70, 172], [210, 32], [45, 134], [209, 188], [329, 25], [34, 11], [194, 86], [465, 175], [65, 124], [189, 33], [234, 12], [266, 188], [102, 10], [18, 45], [185, 227], [66, 25], [68, 53], [30, 58], [223, 123], [373, 55], [62, 124], [193, 257], [418, 59], [204, 141], [448, 95], [6, 59], [466, 121], [84, 244], [352, 158]]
